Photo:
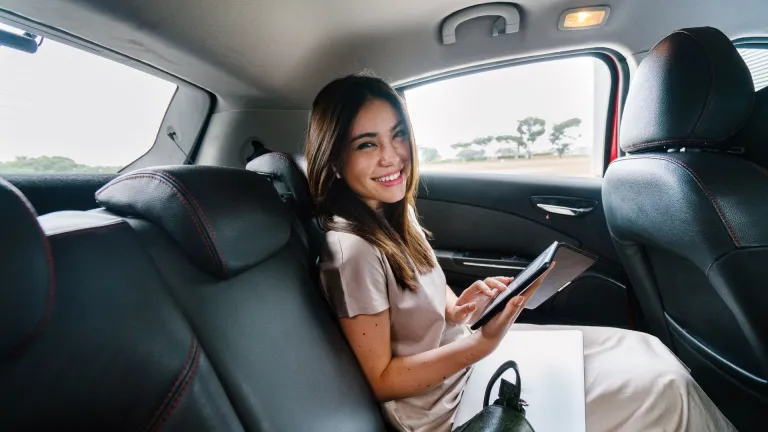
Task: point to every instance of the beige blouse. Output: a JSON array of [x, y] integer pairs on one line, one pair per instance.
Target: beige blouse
[[357, 279]]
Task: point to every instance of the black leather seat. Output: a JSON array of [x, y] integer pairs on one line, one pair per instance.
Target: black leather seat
[[687, 210], [89, 337], [186, 304], [289, 177], [223, 242]]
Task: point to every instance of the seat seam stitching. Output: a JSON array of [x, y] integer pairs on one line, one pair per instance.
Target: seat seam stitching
[[174, 385], [715, 203], [178, 195], [202, 217], [182, 392]]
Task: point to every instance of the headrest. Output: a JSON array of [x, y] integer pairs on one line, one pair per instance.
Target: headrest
[[226, 219], [289, 178], [692, 90], [26, 269]]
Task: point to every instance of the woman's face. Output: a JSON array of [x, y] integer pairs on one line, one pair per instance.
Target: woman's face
[[378, 156]]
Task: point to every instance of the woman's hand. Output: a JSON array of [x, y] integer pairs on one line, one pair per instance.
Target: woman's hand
[[477, 296], [494, 330]]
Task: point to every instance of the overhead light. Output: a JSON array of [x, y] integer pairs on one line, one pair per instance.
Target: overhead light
[[584, 18]]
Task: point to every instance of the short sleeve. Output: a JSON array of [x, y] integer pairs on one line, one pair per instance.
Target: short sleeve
[[353, 276]]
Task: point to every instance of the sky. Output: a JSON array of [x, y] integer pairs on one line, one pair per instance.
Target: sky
[[490, 103], [63, 101]]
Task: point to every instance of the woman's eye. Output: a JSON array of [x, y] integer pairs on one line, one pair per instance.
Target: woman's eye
[[400, 134], [365, 145]]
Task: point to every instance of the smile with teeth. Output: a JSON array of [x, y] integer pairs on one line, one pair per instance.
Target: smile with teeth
[[390, 177]]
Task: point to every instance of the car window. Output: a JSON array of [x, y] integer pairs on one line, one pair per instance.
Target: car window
[[66, 110], [543, 118], [757, 62]]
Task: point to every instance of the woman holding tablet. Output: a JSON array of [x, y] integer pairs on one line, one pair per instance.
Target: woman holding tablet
[[408, 330]]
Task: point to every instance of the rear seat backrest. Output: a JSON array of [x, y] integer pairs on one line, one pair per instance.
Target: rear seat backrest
[[100, 345], [289, 178], [221, 237]]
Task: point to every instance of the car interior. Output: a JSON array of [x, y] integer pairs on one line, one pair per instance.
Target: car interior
[[159, 241]]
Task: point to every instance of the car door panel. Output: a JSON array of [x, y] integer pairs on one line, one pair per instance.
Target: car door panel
[[493, 224], [499, 231]]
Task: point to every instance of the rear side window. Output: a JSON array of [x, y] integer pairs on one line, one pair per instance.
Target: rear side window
[[757, 62], [543, 118], [66, 110]]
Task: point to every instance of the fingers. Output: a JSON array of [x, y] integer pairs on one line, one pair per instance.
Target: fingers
[[496, 283], [504, 280], [465, 309], [513, 309], [463, 312], [483, 287]]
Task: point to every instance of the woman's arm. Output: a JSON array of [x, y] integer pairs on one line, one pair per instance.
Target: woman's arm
[[402, 377]]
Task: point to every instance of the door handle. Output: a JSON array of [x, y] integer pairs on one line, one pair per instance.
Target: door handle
[[563, 210], [564, 206]]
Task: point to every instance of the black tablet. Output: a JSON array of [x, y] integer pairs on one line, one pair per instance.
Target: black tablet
[[571, 262]]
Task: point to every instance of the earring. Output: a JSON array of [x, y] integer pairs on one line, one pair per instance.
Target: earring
[[338, 175]]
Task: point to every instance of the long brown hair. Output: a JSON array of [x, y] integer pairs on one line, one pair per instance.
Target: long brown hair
[[394, 232]]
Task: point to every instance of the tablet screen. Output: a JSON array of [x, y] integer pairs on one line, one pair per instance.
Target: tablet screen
[[522, 279]]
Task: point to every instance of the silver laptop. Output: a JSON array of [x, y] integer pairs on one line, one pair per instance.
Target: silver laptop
[[551, 366]]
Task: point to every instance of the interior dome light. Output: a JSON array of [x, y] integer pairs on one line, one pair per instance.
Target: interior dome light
[[584, 18]]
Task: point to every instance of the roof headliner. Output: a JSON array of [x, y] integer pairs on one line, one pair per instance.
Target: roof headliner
[[277, 54]]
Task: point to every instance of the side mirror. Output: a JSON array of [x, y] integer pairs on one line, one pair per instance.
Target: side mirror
[[25, 42]]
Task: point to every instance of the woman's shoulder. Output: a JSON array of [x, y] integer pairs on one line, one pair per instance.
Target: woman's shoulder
[[348, 246]]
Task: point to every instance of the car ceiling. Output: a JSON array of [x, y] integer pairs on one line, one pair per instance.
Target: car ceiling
[[278, 54]]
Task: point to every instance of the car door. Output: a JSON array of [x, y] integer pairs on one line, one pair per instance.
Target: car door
[[511, 160]]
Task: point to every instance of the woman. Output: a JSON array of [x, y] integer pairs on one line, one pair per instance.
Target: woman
[[406, 327]]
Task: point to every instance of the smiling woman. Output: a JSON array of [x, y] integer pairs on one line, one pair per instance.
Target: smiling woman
[[381, 155], [404, 324], [359, 156]]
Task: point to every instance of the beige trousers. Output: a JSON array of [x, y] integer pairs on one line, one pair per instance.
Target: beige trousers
[[634, 383]]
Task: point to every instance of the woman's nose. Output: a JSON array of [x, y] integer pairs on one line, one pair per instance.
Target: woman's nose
[[388, 154]]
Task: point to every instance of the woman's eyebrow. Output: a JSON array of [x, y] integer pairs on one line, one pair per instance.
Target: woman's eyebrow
[[363, 135], [374, 134]]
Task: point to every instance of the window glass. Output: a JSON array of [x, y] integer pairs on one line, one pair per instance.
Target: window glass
[[66, 110], [757, 62], [544, 118]]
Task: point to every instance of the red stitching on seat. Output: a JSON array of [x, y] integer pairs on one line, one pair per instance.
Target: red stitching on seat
[[175, 384], [173, 189], [202, 216], [709, 194], [760, 168], [183, 390]]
